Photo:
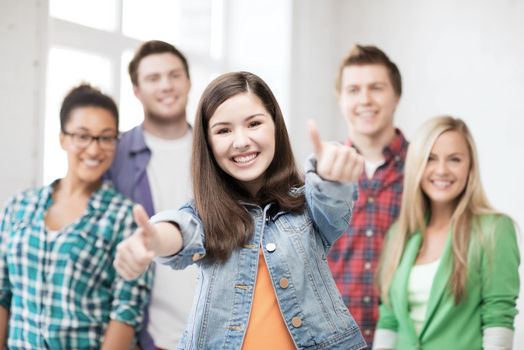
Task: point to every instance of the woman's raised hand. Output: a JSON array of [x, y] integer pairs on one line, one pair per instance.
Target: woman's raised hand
[[335, 162]]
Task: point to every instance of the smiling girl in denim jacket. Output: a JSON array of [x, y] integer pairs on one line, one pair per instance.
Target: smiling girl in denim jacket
[[258, 232]]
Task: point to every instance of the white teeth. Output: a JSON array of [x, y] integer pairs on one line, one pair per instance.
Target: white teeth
[[92, 162], [367, 115], [245, 159], [169, 99], [442, 184]]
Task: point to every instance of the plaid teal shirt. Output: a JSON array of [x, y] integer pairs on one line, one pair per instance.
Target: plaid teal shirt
[[60, 287]]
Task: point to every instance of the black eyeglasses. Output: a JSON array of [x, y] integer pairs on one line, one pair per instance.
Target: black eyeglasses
[[106, 142]]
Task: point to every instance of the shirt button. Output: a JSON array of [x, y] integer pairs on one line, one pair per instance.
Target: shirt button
[[284, 283], [397, 159], [367, 265], [367, 299], [367, 332], [270, 247], [197, 256], [371, 200], [296, 322], [369, 232]]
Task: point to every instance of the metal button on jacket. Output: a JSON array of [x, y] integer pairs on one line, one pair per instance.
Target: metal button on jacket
[[270, 247], [284, 283], [296, 322], [197, 256]]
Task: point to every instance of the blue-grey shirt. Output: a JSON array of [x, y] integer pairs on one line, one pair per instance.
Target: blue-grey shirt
[[129, 176], [129, 169]]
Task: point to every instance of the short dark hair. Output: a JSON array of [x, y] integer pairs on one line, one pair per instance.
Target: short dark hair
[[84, 95], [360, 55], [153, 47]]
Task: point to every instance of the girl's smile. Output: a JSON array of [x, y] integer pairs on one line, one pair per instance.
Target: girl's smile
[[245, 160]]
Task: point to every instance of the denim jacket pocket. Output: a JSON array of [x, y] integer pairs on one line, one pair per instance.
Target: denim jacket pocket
[[329, 283], [298, 223]]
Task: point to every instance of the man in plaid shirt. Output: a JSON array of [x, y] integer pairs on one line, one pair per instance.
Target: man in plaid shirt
[[369, 89]]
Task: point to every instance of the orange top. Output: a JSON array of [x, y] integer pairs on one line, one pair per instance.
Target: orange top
[[266, 328]]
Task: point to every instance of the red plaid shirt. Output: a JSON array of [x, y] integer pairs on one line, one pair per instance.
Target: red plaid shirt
[[353, 259]]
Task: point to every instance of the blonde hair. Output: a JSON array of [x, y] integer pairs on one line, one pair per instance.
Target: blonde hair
[[415, 207]]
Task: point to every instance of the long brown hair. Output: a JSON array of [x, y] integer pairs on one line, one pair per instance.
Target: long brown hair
[[415, 208], [227, 224]]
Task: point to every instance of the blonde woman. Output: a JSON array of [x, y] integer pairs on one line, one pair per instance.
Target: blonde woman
[[448, 276]]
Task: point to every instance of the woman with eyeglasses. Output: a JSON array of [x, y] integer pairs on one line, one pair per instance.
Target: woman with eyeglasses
[[58, 287]]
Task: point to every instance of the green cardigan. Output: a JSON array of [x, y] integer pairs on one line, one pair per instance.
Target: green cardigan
[[492, 290]]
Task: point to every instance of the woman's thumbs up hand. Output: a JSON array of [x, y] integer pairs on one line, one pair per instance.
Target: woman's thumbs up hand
[[335, 162], [134, 254]]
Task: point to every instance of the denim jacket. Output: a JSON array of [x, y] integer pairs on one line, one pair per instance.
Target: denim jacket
[[295, 248]]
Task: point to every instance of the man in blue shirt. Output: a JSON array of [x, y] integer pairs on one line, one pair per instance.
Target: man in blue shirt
[[151, 167]]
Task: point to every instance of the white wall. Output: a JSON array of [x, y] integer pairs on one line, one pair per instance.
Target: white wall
[[258, 40], [23, 47], [314, 61], [463, 58]]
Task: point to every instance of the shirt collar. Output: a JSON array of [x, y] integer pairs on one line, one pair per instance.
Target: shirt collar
[[96, 201], [138, 143], [46, 196], [396, 149]]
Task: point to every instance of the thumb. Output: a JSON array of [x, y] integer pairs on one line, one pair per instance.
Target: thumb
[[142, 220], [315, 137]]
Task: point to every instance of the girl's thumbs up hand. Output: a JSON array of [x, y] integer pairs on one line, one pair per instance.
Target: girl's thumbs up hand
[[134, 254], [335, 162]]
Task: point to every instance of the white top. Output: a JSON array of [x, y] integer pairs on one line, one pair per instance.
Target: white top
[[172, 295], [419, 288], [371, 167], [168, 171]]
